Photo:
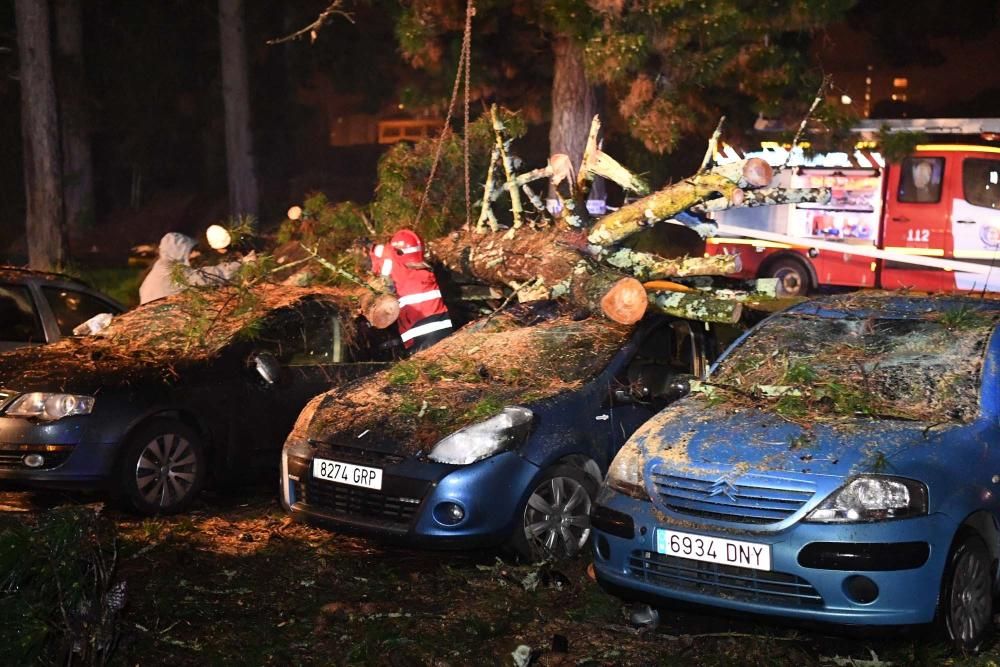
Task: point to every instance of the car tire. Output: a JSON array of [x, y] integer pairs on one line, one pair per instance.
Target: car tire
[[793, 277], [966, 605], [554, 522], [163, 468]]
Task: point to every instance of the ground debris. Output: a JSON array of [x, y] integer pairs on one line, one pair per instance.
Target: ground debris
[[855, 662]]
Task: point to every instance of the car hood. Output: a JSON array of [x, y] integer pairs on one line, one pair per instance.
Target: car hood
[[464, 379], [75, 366], [693, 434]]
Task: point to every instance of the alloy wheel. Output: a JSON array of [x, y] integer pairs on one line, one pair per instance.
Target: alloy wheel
[[557, 517], [166, 470], [969, 605]]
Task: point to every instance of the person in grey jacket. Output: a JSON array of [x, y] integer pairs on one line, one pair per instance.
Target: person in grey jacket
[[175, 251]]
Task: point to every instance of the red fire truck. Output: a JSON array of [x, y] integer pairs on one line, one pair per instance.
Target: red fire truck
[[932, 220]]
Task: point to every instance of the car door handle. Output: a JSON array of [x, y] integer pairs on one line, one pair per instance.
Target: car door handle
[[901, 218], [966, 222]]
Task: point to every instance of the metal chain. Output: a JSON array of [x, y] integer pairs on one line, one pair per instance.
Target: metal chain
[[462, 62]]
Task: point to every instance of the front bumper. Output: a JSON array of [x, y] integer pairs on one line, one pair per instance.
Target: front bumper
[[70, 460], [488, 491], [630, 567]]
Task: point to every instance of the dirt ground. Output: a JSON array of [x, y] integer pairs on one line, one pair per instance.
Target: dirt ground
[[236, 582]]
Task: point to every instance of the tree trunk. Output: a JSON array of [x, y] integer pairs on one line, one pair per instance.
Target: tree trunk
[[573, 101], [236, 100], [547, 259], [40, 130], [78, 172]]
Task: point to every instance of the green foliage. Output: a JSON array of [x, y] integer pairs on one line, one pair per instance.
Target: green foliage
[[963, 317], [800, 373], [241, 228], [898, 145], [404, 373], [792, 407], [484, 408], [404, 170], [669, 68], [58, 593], [334, 227]]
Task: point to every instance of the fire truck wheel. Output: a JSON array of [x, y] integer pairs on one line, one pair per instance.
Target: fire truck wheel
[[793, 278]]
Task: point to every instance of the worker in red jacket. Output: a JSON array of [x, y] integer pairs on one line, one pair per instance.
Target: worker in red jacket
[[423, 317]]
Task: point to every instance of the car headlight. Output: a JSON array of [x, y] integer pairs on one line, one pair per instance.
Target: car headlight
[[47, 406], [625, 473], [872, 498], [489, 437]]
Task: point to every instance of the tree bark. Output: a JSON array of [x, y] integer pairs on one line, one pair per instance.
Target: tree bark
[[46, 233], [549, 259], [651, 267], [78, 172], [696, 306], [243, 194], [573, 100]]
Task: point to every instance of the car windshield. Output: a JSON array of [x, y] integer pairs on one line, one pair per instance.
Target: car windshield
[[816, 365]]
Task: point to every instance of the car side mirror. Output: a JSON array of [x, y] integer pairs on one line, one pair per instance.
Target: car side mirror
[[676, 387], [267, 366]]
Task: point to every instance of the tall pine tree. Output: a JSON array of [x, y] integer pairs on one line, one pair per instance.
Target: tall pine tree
[[664, 68]]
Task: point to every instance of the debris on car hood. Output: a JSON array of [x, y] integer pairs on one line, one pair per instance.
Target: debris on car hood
[[468, 377]]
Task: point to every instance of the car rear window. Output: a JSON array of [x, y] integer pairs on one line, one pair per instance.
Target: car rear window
[[19, 322], [811, 366]]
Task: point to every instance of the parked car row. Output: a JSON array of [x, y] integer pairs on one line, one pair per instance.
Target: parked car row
[[838, 463]]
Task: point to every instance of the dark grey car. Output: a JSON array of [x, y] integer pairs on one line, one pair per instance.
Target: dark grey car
[[38, 307]]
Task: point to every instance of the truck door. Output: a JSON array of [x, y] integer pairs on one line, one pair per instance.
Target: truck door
[[975, 218], [916, 221]]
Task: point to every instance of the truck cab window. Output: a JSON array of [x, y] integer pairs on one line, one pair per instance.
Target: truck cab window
[[981, 182], [920, 180]]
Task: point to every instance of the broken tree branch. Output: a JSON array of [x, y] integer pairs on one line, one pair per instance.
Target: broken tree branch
[[645, 266], [333, 9], [508, 167], [598, 163], [713, 146], [696, 306]]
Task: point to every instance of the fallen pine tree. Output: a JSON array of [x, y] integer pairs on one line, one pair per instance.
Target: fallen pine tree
[[584, 260]]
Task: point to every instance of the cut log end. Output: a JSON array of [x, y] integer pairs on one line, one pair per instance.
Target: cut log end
[[625, 302], [381, 310], [757, 172]]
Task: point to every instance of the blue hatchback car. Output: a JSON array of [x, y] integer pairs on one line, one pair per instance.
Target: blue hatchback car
[[498, 435], [841, 463]]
